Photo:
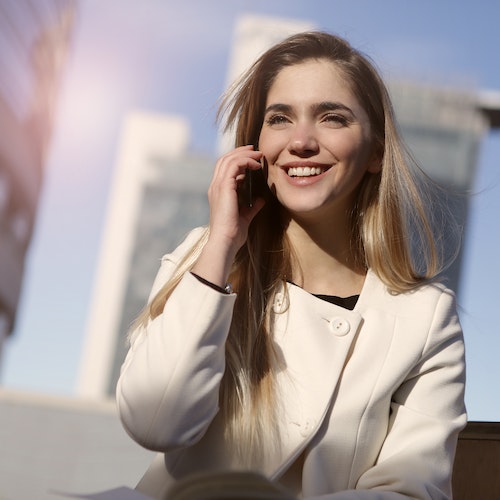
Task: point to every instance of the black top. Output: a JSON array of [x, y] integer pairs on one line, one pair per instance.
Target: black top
[[345, 302]]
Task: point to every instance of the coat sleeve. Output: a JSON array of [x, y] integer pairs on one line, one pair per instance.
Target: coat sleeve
[[427, 414], [168, 389]]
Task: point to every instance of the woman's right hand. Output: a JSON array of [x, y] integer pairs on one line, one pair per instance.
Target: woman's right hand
[[229, 221]]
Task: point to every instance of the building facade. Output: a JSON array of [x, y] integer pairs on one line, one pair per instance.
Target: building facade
[[34, 39], [443, 128]]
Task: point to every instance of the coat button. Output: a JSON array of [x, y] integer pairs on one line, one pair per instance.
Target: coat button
[[279, 305], [340, 326], [306, 428]]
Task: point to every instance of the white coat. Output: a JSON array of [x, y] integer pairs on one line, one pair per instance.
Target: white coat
[[373, 398]]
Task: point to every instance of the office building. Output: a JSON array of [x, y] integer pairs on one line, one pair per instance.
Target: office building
[[34, 38], [443, 127]]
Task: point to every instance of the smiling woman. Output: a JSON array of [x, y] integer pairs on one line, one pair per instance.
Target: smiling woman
[[303, 338]]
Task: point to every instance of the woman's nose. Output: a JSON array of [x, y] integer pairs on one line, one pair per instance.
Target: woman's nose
[[303, 141]]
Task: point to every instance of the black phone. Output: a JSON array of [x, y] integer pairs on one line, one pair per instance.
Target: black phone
[[253, 186], [248, 188]]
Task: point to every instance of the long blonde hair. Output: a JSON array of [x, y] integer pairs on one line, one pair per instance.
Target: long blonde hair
[[391, 232]]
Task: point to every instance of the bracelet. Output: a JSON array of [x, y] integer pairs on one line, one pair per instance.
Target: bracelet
[[228, 289]]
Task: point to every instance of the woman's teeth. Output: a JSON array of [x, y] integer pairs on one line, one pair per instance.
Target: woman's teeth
[[303, 171]]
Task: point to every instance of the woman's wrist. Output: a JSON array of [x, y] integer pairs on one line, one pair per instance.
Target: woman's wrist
[[214, 264]]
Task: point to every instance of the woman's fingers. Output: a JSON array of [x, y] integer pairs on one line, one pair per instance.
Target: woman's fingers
[[230, 170], [237, 157], [231, 167]]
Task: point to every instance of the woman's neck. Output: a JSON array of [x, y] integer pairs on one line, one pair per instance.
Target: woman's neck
[[322, 258]]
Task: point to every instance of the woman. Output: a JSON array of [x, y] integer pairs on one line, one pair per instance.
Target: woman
[[302, 335]]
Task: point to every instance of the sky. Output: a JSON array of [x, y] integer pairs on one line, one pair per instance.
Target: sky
[[170, 57]]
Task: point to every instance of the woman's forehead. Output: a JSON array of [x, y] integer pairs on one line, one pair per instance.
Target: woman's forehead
[[311, 83]]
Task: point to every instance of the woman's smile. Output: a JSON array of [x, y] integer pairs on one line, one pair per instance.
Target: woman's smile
[[305, 168]]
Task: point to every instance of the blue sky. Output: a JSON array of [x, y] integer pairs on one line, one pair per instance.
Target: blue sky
[[169, 56]]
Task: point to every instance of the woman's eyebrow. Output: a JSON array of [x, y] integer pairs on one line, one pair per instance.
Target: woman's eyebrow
[[317, 108], [283, 108], [321, 107]]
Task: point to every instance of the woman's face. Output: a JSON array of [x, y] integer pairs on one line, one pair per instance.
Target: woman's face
[[315, 139]]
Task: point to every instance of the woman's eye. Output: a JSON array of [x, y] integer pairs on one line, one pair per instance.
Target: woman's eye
[[336, 119], [277, 120]]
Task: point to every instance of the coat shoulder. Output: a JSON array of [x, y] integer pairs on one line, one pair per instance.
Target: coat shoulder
[[417, 301]]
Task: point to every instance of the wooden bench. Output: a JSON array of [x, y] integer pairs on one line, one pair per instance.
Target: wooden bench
[[476, 473]]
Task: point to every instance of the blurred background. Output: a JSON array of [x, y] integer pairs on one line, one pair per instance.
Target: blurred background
[[108, 140]]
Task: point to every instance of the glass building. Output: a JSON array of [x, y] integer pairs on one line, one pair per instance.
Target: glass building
[[443, 127], [171, 204], [34, 38]]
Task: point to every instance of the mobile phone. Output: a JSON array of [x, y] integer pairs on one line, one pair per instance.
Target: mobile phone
[[246, 194], [253, 186], [248, 188]]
